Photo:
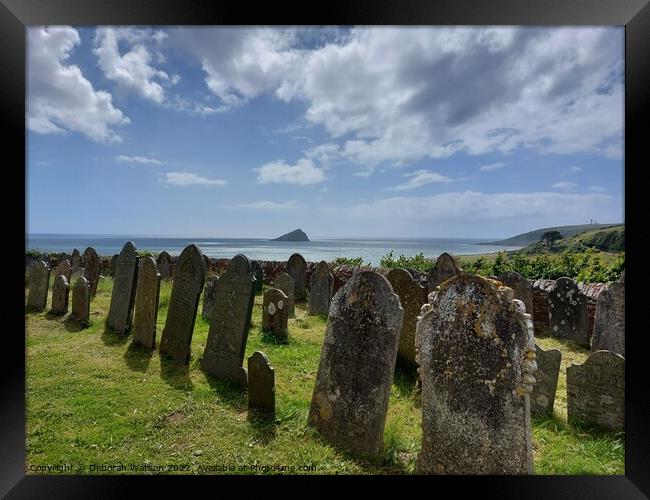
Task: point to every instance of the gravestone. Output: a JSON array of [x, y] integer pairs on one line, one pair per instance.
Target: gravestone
[[609, 320], [75, 260], [224, 351], [475, 351], [189, 278], [120, 311], [76, 274], [275, 313], [60, 294], [113, 264], [297, 269], [284, 282], [567, 312], [146, 303], [256, 270], [596, 391], [412, 297], [63, 268], [209, 297], [39, 281], [164, 265], [81, 301], [444, 268], [542, 398], [521, 286], [321, 286], [207, 263], [91, 266], [355, 373], [261, 386]]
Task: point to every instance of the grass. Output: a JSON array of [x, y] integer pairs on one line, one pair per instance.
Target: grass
[[92, 399]]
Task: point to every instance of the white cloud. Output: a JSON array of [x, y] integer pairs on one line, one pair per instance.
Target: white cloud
[[143, 160], [303, 173], [596, 189], [59, 97], [573, 169], [564, 185], [420, 178], [270, 205], [492, 166], [190, 179]]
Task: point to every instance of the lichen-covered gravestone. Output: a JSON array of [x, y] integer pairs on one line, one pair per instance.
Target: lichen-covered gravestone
[[92, 267], [275, 313], [350, 398], [412, 297], [521, 286], [81, 301], [39, 280], [475, 350], [189, 278], [60, 294], [63, 268], [261, 387], [76, 274], [284, 282], [146, 303], [542, 398], [321, 286], [297, 269], [75, 260], [567, 312], [120, 311], [113, 263], [164, 261], [256, 270], [596, 391], [224, 351], [444, 268], [609, 320], [206, 259], [209, 297]]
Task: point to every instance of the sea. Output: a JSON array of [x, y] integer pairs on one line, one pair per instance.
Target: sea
[[371, 250]]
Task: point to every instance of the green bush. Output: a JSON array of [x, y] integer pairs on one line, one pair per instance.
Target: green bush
[[33, 253], [350, 261], [418, 262]]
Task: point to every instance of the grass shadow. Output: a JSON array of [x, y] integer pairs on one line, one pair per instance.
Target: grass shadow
[[138, 357], [268, 338], [54, 316], [109, 337], [407, 381], [263, 425], [72, 324], [175, 374], [229, 393]]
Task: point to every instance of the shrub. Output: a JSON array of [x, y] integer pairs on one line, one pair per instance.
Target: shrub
[[418, 262], [350, 261]]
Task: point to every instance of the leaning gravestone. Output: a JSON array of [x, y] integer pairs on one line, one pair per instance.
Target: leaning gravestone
[[256, 270], [39, 280], [521, 286], [609, 320], [297, 269], [350, 398], [81, 301], [224, 351], [567, 312], [284, 282], [321, 286], [275, 313], [164, 265], [412, 298], [75, 260], [261, 386], [60, 294], [91, 266], [596, 391], [113, 264], [63, 268], [206, 259], [475, 350], [444, 268], [209, 297], [542, 398], [146, 303], [120, 311], [189, 278]]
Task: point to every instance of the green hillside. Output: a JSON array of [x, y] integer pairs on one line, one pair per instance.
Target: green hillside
[[611, 239], [534, 236]]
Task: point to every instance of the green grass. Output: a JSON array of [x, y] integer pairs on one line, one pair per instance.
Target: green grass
[[94, 399]]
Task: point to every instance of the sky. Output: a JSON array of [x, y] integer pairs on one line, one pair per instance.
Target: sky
[[441, 132]]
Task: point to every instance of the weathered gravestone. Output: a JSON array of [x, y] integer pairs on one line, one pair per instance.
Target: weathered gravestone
[[146, 303], [75, 260], [596, 391], [164, 261], [60, 294], [261, 387], [113, 264], [81, 301], [120, 311], [275, 314], [209, 297], [39, 280], [475, 350], [224, 351], [609, 320], [567, 312], [521, 286], [350, 398], [542, 398], [284, 282], [76, 274], [412, 297], [189, 278], [444, 268], [206, 259], [297, 269], [321, 286], [63, 268], [92, 267], [256, 271]]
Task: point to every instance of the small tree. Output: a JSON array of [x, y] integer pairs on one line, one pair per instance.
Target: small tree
[[550, 237]]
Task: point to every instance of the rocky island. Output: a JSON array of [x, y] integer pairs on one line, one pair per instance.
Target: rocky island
[[296, 235]]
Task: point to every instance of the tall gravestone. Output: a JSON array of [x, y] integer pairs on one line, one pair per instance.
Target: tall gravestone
[[567, 312], [284, 282], [412, 297], [76, 274], [146, 303], [542, 398], [224, 351], [444, 268], [521, 286], [475, 350], [207, 263], [76, 260], [350, 398], [39, 281], [60, 294], [209, 297], [189, 278], [297, 269], [92, 267], [609, 320], [114, 264], [596, 391], [120, 311], [81, 301], [63, 268], [321, 286], [275, 314], [261, 386], [256, 270], [164, 261]]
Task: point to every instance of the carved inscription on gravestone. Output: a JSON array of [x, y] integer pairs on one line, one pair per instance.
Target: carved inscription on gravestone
[[124, 286], [146, 303]]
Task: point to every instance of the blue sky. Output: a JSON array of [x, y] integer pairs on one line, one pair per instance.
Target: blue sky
[[350, 132]]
